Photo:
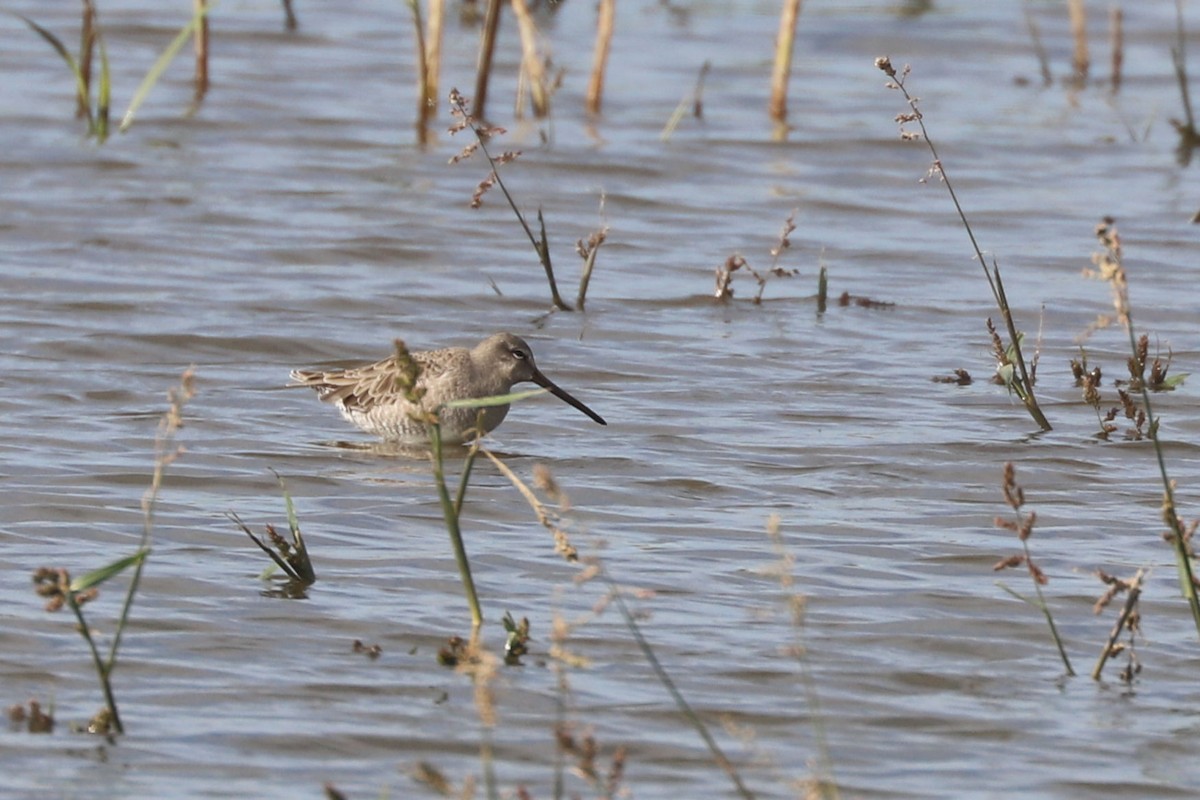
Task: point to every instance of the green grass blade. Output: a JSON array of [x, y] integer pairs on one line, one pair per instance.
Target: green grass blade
[[80, 87], [494, 400], [160, 66], [98, 576], [104, 96]]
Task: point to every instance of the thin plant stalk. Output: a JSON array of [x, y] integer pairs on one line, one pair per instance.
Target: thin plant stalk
[[429, 54], [433, 53], [665, 679], [660, 672], [200, 10], [1080, 60], [1023, 385], [589, 250], [1116, 19], [55, 583], [103, 94], [1039, 49], [487, 48], [1113, 271], [531, 62], [166, 453], [784, 45], [289, 16], [1022, 525], [423, 111], [798, 606], [87, 40], [1179, 60], [540, 245], [695, 99], [1183, 560], [1041, 605], [605, 16], [450, 514], [1131, 603], [78, 592]]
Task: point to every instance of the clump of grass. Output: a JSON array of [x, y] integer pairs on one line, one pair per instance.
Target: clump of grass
[[1022, 525], [460, 110], [516, 642], [1109, 267], [1129, 622], [1021, 382], [724, 286], [291, 557], [1157, 380], [97, 111], [57, 587]]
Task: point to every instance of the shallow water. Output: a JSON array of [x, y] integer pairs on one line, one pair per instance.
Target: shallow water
[[293, 221]]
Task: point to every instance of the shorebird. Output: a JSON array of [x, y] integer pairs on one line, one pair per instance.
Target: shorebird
[[376, 399]]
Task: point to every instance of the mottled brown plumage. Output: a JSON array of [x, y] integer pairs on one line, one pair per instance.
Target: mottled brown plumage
[[373, 397]]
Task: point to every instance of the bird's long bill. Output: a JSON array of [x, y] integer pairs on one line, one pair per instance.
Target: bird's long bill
[[562, 394]]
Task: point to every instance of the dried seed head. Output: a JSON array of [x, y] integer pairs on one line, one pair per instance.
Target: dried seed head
[[1008, 563]]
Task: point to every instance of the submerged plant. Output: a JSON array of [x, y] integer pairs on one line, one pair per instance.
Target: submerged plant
[[724, 287], [1022, 525], [1019, 377]]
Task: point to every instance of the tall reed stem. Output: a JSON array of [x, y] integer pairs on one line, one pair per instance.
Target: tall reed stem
[[781, 72], [1023, 386]]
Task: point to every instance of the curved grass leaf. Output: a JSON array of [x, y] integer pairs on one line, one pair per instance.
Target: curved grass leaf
[[160, 66], [99, 576], [80, 86]]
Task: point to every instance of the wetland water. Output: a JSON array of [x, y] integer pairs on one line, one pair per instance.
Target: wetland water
[[294, 222]]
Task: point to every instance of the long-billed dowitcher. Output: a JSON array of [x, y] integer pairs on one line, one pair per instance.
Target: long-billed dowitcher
[[374, 397]]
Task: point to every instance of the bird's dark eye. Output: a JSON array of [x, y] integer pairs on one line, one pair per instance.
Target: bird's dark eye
[[519, 354]]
